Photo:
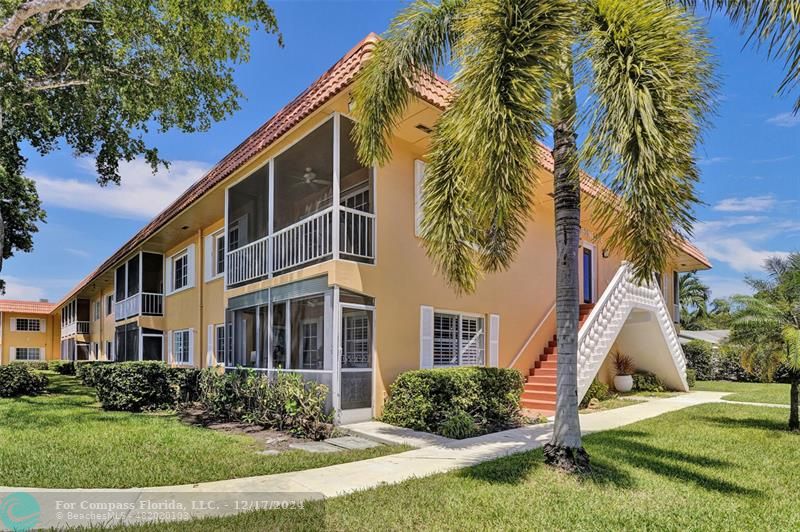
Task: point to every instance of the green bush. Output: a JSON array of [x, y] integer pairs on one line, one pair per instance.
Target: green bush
[[647, 382], [283, 401], [62, 367], [138, 386], [691, 377], [700, 357], [425, 399], [597, 390], [458, 426], [21, 379], [86, 370], [39, 365]]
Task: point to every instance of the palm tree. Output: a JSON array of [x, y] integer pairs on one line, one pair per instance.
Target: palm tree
[[767, 325], [693, 297], [518, 65]]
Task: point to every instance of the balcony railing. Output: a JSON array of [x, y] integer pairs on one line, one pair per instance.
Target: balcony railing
[[307, 241], [76, 327], [144, 303]]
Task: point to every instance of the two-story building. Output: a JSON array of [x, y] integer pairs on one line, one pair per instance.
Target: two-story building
[[290, 255]]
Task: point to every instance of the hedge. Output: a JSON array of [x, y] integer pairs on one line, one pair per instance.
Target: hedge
[[644, 381], [427, 399], [720, 363], [138, 386], [283, 401], [39, 365], [86, 370], [62, 367], [20, 379]]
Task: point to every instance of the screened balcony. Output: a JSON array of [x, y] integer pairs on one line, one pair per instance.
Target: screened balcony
[[75, 318], [139, 286], [312, 202]]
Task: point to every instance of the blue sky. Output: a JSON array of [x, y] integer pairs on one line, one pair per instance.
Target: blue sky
[[750, 160]]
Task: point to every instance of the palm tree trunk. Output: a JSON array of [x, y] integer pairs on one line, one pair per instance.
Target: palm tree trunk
[[794, 401], [565, 450]]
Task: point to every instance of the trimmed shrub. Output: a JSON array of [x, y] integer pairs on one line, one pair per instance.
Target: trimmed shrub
[[62, 367], [700, 357], [20, 379], [39, 365], [691, 377], [729, 365], [647, 382], [85, 370], [597, 390], [458, 426], [283, 401], [138, 386], [425, 399]]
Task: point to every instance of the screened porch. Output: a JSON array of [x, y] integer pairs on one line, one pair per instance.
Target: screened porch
[[310, 203]]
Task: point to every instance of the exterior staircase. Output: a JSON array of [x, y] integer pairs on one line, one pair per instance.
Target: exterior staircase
[[539, 394]]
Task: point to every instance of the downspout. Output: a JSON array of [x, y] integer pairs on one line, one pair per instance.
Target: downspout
[[199, 276]]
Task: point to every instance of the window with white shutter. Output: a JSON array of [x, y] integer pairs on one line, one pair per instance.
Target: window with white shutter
[[458, 340]]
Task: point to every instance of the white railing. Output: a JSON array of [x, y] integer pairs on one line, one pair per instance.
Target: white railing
[[600, 330], [307, 241], [76, 327], [357, 233], [146, 303]]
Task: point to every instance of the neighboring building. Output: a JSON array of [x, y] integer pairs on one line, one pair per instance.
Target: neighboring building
[[712, 336], [27, 331], [290, 255]]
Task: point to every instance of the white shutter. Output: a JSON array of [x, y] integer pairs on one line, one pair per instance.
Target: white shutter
[[419, 178], [43, 325], [210, 347], [191, 265], [208, 258], [494, 340], [191, 347], [169, 275], [12, 353], [13, 324], [170, 348], [425, 337]]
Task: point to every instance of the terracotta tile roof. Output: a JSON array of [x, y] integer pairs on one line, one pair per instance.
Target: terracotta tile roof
[[26, 307], [430, 88]]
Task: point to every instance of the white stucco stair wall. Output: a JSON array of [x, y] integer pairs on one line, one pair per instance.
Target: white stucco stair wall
[[636, 317]]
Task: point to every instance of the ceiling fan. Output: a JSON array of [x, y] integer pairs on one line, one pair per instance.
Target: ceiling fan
[[310, 178]]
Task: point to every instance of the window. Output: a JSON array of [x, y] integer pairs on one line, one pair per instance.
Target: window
[[28, 324], [458, 340], [28, 353], [109, 304], [109, 351], [219, 343], [181, 348], [180, 274], [310, 345], [214, 262], [219, 248], [97, 310]]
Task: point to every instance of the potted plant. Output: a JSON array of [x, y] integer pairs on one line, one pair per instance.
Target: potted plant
[[623, 380]]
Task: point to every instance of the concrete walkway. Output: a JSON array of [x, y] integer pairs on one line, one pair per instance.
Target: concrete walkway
[[436, 455]]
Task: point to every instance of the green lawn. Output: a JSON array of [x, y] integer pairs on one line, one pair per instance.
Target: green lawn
[[709, 467], [64, 440], [755, 392]]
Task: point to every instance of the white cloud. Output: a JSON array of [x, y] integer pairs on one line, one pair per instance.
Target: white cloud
[[704, 228], [713, 160], [737, 253], [17, 288], [141, 194], [750, 203], [77, 252], [784, 120], [773, 159]]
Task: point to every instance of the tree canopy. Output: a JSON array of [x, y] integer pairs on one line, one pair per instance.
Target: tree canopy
[[97, 75]]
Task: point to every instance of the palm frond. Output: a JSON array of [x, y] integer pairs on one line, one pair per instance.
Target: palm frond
[[773, 23], [419, 40], [482, 161], [791, 337], [652, 85]]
